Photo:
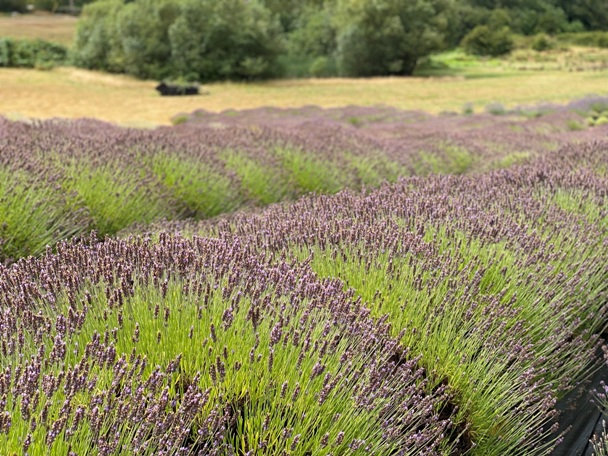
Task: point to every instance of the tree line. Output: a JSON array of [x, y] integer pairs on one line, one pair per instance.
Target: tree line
[[207, 40]]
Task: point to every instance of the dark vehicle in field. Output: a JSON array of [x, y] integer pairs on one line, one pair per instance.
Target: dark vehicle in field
[[169, 89]]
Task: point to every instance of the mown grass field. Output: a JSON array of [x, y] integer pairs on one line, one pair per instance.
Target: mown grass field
[[73, 93], [452, 81], [51, 27]]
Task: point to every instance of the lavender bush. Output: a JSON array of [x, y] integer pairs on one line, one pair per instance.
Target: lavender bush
[[497, 280], [257, 357], [441, 313], [216, 163]]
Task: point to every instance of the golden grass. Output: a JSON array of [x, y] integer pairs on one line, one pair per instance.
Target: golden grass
[[51, 27], [72, 93], [569, 58]]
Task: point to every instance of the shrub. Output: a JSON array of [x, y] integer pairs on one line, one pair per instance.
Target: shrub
[[496, 109], [484, 41], [542, 42], [30, 54], [97, 44], [595, 39], [468, 109], [201, 40], [240, 40]]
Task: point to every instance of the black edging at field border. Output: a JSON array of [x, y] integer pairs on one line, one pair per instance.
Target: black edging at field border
[[578, 410]]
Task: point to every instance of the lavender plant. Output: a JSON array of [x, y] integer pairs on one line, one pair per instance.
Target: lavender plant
[[33, 215], [482, 273], [214, 352], [443, 314], [217, 163]]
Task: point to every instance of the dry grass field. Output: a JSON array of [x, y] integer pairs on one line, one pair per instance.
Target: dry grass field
[[52, 27], [73, 93], [70, 92]]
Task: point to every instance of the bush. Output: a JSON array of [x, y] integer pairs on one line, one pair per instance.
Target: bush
[[202, 40], [496, 109], [594, 39], [484, 41], [468, 109], [311, 46], [97, 43], [542, 42], [387, 36], [29, 54], [241, 40]]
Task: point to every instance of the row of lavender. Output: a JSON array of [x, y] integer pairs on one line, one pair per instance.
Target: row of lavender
[[202, 347], [438, 315], [499, 281], [60, 179]]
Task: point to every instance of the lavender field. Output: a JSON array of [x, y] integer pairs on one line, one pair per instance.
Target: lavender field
[[304, 282]]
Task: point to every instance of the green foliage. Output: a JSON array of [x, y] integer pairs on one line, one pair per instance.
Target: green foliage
[[112, 199], [310, 173], [594, 39], [387, 36], [97, 43], [32, 216], [198, 188], [483, 40], [496, 109], [144, 37], [30, 54], [592, 14], [542, 42], [48, 5], [322, 67], [314, 42], [468, 109], [59, 5], [238, 39], [13, 5], [262, 183], [196, 40], [228, 39]]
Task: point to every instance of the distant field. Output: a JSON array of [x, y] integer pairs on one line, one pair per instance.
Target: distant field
[[58, 27], [524, 78], [73, 93]]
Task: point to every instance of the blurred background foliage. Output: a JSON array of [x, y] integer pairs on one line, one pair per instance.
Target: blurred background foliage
[[206, 40]]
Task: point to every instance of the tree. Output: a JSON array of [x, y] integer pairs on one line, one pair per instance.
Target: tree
[[593, 14], [228, 39], [382, 37], [143, 31], [13, 5], [97, 42]]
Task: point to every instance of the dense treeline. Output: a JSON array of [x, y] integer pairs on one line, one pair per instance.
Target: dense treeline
[[238, 39]]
